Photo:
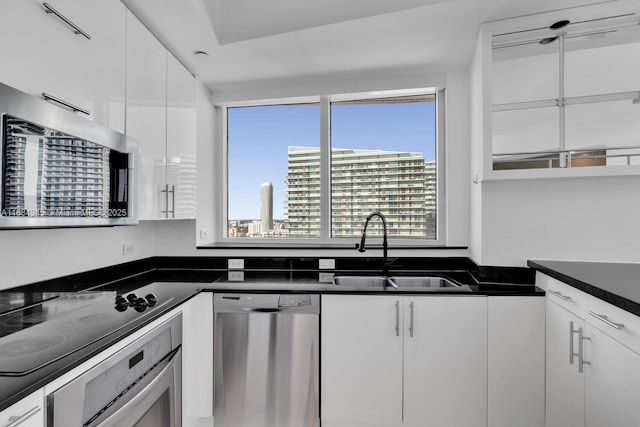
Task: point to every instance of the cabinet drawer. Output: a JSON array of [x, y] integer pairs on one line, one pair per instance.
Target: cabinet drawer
[[564, 295], [613, 321], [25, 413]]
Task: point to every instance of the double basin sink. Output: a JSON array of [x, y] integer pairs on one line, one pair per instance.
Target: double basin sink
[[401, 283]]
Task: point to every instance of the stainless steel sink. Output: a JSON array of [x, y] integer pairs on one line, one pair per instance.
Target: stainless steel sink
[[361, 281], [403, 283], [423, 282]]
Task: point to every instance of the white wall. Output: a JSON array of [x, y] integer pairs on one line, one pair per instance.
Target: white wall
[[587, 219], [28, 256]]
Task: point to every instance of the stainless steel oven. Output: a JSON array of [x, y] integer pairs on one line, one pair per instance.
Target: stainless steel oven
[[139, 386]]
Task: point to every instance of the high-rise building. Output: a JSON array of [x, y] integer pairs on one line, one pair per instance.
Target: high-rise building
[[401, 185], [266, 206]]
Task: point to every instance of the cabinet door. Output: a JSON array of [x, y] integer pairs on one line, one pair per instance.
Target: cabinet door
[[197, 359], [565, 384], [47, 56], [147, 114], [515, 377], [361, 359], [181, 139], [612, 382], [445, 346], [28, 412]]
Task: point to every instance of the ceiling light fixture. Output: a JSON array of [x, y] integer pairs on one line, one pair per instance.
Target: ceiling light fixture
[[559, 24], [548, 40], [201, 54]]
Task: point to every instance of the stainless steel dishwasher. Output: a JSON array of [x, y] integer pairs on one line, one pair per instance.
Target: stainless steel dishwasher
[[266, 360]]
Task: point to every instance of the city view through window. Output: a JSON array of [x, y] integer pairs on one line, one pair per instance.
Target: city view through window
[[382, 159]]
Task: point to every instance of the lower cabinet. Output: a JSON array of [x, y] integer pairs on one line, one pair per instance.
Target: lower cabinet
[[565, 378], [28, 412], [404, 360], [612, 382], [197, 360], [593, 360], [515, 377]]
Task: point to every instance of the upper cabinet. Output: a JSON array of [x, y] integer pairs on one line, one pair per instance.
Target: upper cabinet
[[47, 53], [161, 115], [559, 93]]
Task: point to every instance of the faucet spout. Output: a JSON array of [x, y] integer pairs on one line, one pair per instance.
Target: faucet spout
[[361, 247]]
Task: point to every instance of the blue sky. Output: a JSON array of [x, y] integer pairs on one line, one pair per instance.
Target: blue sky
[[259, 136]]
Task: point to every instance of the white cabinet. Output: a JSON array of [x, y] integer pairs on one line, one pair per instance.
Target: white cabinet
[[361, 359], [515, 378], [197, 359], [44, 55], [28, 412], [612, 382], [593, 363], [161, 115], [565, 382], [402, 361], [445, 359], [146, 113], [181, 139]]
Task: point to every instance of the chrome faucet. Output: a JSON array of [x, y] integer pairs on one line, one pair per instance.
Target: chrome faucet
[[385, 256]]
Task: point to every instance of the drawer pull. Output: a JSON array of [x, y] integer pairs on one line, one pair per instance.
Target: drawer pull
[[606, 320], [69, 105], [17, 420], [76, 29], [559, 295]]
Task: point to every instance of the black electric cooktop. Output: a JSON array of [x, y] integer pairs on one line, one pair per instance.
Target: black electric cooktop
[[62, 323]]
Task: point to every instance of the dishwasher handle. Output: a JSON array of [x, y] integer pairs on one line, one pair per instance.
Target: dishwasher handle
[[266, 303]]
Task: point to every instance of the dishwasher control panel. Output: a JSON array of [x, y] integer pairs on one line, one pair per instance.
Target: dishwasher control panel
[[294, 300]]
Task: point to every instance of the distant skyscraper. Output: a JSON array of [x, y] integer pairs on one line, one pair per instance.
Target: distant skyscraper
[[266, 206]]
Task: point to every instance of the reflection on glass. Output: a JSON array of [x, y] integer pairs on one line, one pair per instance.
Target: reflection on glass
[[48, 173], [518, 132], [525, 73], [603, 62], [604, 125]]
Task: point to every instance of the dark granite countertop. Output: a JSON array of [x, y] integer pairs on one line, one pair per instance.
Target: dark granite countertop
[[615, 283], [178, 279]]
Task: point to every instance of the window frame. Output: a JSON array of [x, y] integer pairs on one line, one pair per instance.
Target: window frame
[[325, 240]]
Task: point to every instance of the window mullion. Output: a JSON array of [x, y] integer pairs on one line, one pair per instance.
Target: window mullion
[[325, 169]]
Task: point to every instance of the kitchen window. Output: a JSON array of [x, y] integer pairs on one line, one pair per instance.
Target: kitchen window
[[311, 171]]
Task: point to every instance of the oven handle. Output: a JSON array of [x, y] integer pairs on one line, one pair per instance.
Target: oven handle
[[166, 366]]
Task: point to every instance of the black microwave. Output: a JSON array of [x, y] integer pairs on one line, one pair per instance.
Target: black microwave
[[62, 170]]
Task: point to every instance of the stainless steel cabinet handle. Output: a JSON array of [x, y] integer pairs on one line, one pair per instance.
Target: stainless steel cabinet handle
[[76, 29], [581, 361], [559, 295], [571, 352], [173, 201], [17, 420], [411, 320], [397, 318], [166, 192], [606, 320], [64, 103]]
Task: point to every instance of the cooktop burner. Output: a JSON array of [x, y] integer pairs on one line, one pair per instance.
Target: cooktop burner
[[40, 334], [27, 346]]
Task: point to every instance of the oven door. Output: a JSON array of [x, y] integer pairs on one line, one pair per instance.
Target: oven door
[[155, 401]]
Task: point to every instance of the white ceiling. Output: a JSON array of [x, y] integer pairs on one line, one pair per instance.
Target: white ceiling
[[250, 41]]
